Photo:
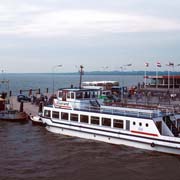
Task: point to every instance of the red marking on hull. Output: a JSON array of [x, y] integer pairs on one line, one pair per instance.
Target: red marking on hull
[[144, 133]]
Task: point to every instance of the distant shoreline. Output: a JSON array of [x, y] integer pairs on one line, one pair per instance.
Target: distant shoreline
[[125, 73]]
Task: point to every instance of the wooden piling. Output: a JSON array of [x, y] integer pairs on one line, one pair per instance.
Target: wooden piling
[[21, 109]]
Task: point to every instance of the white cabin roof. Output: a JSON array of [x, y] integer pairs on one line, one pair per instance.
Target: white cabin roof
[[98, 82]]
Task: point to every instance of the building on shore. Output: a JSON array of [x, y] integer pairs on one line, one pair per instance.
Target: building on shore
[[172, 81]]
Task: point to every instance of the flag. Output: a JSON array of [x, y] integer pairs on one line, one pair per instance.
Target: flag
[[171, 64], [147, 64], [158, 64]]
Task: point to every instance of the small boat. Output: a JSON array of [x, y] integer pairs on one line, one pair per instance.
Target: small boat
[[8, 114], [77, 112], [13, 115], [36, 120], [6, 111]]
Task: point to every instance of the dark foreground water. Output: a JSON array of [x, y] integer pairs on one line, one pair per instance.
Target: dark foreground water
[[31, 152]]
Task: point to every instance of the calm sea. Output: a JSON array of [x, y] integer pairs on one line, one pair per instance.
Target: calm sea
[[31, 152]]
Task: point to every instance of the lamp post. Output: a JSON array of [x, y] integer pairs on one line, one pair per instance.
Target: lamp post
[[172, 65], [81, 72], [53, 68]]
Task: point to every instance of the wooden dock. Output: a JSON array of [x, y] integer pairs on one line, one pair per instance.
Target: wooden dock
[[28, 107]]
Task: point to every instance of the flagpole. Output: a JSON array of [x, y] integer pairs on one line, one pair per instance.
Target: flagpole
[[173, 78], [145, 78], [156, 77], [168, 77], [145, 74]]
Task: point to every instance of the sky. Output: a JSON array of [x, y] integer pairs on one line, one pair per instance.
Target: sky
[[38, 35]]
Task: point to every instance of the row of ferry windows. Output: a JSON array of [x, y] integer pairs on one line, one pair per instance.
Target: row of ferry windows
[[78, 95], [85, 119]]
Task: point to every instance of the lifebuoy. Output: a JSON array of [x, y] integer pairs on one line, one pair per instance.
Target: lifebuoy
[[152, 144]]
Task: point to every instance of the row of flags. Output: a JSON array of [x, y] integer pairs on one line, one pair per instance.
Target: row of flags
[[158, 64]]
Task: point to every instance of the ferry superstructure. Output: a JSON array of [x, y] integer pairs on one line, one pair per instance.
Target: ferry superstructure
[[77, 112]]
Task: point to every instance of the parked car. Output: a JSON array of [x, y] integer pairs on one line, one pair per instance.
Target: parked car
[[22, 97]]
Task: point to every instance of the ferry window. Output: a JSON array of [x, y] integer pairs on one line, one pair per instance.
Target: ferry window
[[94, 120], [84, 118], [140, 124], [64, 96], [106, 121], [93, 95], [55, 114], [86, 95], [64, 116], [60, 93], [68, 95], [47, 113], [72, 95], [127, 125], [79, 95], [134, 123], [147, 124], [118, 123], [74, 117]]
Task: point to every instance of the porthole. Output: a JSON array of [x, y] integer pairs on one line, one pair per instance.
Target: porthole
[[134, 123], [147, 124], [140, 124]]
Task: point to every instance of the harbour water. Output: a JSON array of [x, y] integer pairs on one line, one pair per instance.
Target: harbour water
[[31, 152], [43, 81]]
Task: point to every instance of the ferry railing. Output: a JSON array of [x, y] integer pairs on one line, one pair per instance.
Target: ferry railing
[[129, 113], [149, 114]]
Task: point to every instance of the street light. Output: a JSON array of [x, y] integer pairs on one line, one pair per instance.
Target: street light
[[81, 72], [53, 68]]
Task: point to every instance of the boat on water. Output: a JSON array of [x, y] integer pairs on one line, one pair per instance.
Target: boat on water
[[103, 85], [36, 120], [108, 90], [13, 115], [77, 112], [7, 113]]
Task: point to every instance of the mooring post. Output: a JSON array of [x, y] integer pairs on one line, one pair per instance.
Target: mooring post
[[21, 106]]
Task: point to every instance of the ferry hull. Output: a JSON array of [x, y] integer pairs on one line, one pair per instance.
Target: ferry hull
[[113, 138]]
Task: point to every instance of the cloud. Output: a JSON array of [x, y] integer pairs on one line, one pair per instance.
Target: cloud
[[29, 20]]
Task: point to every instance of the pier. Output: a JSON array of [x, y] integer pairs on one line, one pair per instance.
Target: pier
[[28, 107], [148, 98]]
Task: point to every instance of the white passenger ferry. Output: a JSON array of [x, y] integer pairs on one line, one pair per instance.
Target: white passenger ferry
[[76, 112]]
